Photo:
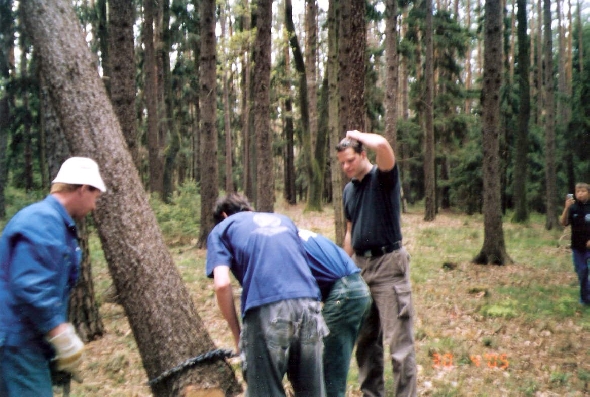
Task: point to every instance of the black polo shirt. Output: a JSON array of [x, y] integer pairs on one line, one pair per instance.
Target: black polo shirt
[[579, 219], [373, 207]]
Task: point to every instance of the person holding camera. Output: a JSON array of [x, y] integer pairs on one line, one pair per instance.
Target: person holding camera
[[39, 265], [577, 214]]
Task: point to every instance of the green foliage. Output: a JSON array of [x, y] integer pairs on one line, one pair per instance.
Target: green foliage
[[179, 220]]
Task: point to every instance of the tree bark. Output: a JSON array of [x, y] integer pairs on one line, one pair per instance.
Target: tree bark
[[121, 48], [334, 118], [494, 249], [392, 73], [245, 117], [550, 167], [289, 156], [208, 105], [429, 155], [356, 65], [229, 182], [521, 162], [6, 53], [151, 98], [306, 144], [264, 152], [317, 142], [166, 326]]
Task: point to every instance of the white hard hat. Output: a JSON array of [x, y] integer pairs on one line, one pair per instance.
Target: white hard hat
[[80, 171]]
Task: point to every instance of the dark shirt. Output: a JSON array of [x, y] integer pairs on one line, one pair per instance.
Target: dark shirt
[[373, 207], [579, 219]]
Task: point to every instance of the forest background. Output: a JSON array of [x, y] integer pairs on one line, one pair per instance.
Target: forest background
[[485, 113]]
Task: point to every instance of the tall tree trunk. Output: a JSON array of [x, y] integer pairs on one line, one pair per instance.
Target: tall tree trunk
[[334, 118], [122, 78], [311, 56], [494, 249], [540, 96], [392, 73], [306, 151], [102, 33], [6, 58], [169, 138], [356, 65], [264, 152], [229, 182], [519, 186], [289, 156], [429, 156], [208, 105], [344, 73], [166, 326], [151, 98], [316, 183], [245, 117], [550, 167]]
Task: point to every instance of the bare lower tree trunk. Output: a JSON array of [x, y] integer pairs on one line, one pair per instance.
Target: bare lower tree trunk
[[264, 154], [121, 48], [494, 249], [391, 79], [334, 119], [208, 105], [161, 313], [548, 85], [522, 146], [429, 155], [6, 52]]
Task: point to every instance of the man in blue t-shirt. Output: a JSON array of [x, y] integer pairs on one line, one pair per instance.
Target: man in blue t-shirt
[[374, 240], [347, 300], [282, 325]]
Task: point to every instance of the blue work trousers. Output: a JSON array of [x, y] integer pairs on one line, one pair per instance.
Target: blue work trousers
[[284, 338], [24, 372], [344, 309], [581, 261]]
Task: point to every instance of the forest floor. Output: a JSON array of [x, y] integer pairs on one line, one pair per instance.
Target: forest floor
[[496, 331]]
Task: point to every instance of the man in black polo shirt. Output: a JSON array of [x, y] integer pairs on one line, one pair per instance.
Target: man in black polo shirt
[[577, 213], [374, 240]]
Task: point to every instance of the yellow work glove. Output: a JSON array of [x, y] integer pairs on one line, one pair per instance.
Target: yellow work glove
[[69, 350]]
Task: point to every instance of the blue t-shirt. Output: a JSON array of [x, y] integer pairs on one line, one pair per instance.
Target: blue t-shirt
[[327, 261], [265, 254]]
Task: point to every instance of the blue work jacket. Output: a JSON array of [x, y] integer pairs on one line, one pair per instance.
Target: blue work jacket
[[39, 265]]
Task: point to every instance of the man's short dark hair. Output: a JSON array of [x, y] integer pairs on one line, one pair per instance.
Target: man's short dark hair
[[349, 143], [230, 204]]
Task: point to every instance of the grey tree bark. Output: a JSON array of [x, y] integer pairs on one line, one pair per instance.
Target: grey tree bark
[[429, 155], [334, 118], [262, 63], [494, 248], [549, 103], [208, 105], [121, 48], [522, 146], [161, 313]]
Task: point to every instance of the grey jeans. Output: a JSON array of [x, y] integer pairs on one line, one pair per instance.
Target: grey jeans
[[284, 337], [390, 322]]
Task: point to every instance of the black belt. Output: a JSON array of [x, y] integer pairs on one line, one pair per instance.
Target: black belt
[[386, 249]]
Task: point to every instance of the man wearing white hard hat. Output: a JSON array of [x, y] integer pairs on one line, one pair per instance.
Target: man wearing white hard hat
[[39, 265]]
